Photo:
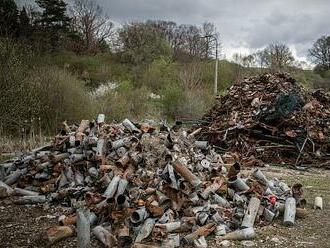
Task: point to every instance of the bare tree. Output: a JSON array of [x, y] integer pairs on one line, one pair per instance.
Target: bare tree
[[91, 23], [320, 53], [208, 30], [277, 56], [191, 76]]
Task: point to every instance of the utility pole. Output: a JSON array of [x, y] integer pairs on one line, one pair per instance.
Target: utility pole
[[216, 67]]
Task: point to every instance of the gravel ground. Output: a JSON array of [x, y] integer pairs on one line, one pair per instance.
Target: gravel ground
[[25, 226]]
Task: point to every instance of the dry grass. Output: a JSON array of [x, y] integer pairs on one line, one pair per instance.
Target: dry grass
[[11, 145]]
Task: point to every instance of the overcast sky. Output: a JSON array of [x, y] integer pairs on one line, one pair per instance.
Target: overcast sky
[[244, 25]]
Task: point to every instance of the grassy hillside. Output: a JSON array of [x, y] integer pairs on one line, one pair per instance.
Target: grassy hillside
[[41, 91]]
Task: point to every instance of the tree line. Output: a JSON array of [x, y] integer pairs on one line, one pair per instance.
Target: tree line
[[82, 27]]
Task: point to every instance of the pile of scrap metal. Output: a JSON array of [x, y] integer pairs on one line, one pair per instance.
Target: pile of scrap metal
[[130, 184], [271, 119]]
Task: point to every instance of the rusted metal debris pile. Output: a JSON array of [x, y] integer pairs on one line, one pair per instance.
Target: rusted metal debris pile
[[271, 119], [130, 184]]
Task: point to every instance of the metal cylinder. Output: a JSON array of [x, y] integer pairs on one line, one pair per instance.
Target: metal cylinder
[[243, 234], [220, 230], [257, 174], [122, 201], [171, 226], [31, 199], [100, 147], [25, 192], [290, 211], [251, 212], [100, 119], [187, 174], [131, 127], [112, 187], [104, 236], [83, 228], [318, 203], [201, 144], [220, 201], [268, 215], [139, 215], [122, 184], [145, 230], [238, 185]]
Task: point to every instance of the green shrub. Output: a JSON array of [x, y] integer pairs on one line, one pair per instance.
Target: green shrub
[[160, 73], [37, 95], [60, 96], [127, 102]]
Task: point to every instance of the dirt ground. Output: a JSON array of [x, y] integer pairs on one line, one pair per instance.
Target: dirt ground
[[24, 226]]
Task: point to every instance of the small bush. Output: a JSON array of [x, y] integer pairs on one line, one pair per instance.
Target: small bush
[[127, 102], [40, 96], [60, 96], [160, 73]]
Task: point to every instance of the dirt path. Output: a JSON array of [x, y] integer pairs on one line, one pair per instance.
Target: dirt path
[[24, 226]]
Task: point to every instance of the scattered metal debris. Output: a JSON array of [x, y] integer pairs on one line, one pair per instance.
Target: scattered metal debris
[[271, 119], [132, 185]]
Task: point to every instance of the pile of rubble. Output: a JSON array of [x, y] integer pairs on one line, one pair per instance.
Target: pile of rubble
[[132, 185], [271, 119]]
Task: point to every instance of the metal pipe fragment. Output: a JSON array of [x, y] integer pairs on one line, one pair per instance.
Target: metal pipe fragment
[[139, 215], [243, 234], [100, 148], [171, 226], [220, 230], [83, 228], [57, 233], [201, 144], [104, 236], [59, 157], [131, 127], [100, 119], [257, 174], [122, 201], [220, 201], [200, 242], [290, 211], [318, 203], [119, 143], [19, 191], [210, 189], [112, 187], [201, 231], [31, 200], [145, 230], [251, 212], [75, 158], [123, 161], [5, 190], [238, 185], [124, 239], [174, 240], [269, 215], [67, 220], [13, 177], [187, 174], [84, 124]]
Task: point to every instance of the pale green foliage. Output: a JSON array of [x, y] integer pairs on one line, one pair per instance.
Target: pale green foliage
[[37, 97], [126, 102], [142, 43], [160, 73]]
